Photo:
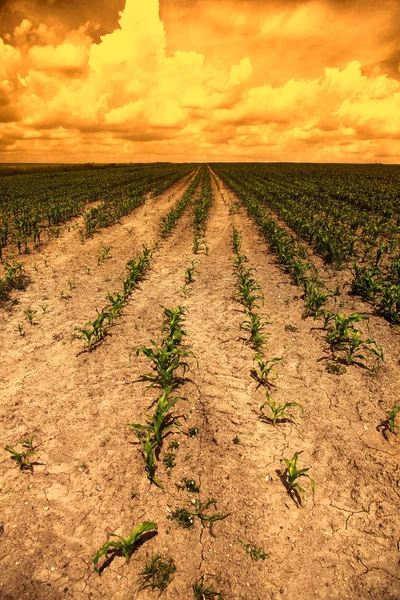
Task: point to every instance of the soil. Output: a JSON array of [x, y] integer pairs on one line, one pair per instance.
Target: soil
[[88, 477]]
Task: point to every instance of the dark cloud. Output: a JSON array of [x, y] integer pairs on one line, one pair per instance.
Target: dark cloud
[[62, 15]]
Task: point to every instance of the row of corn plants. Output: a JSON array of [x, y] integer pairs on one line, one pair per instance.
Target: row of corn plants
[[338, 210], [345, 341], [169, 362], [335, 227], [94, 332], [249, 294], [34, 202], [169, 221], [202, 213], [125, 199]]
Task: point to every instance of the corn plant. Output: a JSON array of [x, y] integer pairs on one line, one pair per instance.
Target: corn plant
[[103, 255], [117, 303], [21, 329], [293, 474], [239, 261], [392, 414], [354, 346], [172, 325], [254, 324], [389, 304], [93, 332], [157, 574], [190, 272], [23, 459], [30, 315], [161, 421], [326, 316], [236, 240], [200, 245], [122, 546], [339, 334], [165, 363], [278, 412], [248, 289], [314, 297], [367, 282], [265, 369], [148, 446]]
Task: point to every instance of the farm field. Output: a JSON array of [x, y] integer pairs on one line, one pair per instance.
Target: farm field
[[172, 338]]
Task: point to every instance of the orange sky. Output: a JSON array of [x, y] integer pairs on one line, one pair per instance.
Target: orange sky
[[201, 80]]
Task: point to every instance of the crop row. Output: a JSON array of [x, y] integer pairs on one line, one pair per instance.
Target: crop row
[[250, 296], [332, 216], [345, 340], [335, 227], [93, 332], [202, 213], [32, 203]]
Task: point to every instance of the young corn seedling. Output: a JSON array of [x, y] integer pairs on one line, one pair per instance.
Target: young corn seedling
[[92, 333], [117, 303], [87, 334], [157, 574], [339, 335], [255, 326], [254, 552], [21, 329], [240, 259], [367, 282], [236, 240], [278, 412], [191, 272], [165, 363], [248, 289], [326, 316], [314, 297], [203, 590], [23, 458], [265, 370], [392, 414], [103, 255], [199, 245], [161, 421], [148, 445], [354, 347], [122, 546], [172, 325], [293, 474], [30, 315]]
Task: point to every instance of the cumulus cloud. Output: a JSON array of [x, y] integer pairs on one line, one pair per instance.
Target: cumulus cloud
[[133, 94]]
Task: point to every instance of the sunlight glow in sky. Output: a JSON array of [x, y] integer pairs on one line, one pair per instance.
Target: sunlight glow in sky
[[200, 80]]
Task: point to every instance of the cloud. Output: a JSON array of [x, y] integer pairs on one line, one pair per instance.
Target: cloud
[[134, 93]]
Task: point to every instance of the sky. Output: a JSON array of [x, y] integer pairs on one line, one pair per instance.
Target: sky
[[200, 80]]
